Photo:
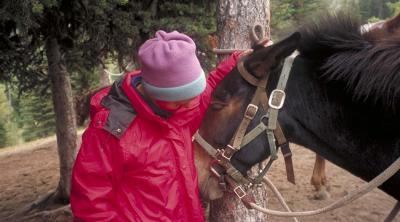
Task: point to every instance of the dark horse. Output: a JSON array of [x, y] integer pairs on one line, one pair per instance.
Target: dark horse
[[342, 99]]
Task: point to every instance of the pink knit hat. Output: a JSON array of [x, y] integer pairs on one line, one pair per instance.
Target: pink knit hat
[[170, 68]]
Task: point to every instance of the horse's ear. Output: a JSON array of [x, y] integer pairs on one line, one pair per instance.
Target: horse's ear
[[263, 60], [285, 47], [393, 25]]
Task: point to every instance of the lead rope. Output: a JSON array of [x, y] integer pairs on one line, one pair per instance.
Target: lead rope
[[393, 212], [275, 190], [377, 181]]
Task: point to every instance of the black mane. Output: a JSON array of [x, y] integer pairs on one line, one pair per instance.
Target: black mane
[[368, 71]]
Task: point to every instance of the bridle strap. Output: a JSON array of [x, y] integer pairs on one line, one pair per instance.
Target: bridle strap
[[209, 149], [251, 110], [287, 153], [272, 107], [246, 198], [282, 143], [255, 132], [249, 114], [218, 154], [279, 135], [245, 74], [278, 95]]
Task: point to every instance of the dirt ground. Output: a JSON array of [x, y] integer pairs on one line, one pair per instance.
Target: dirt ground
[[32, 171]]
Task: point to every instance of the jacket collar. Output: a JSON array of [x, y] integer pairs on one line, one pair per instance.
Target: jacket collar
[[121, 112]]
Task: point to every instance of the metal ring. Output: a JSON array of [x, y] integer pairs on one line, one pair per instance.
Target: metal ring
[[264, 117], [254, 33]]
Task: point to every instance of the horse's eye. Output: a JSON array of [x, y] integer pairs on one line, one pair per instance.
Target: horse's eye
[[218, 105]]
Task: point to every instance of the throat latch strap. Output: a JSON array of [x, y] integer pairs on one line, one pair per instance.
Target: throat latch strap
[[278, 95]]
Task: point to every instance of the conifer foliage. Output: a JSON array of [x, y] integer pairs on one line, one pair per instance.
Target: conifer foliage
[[44, 42]]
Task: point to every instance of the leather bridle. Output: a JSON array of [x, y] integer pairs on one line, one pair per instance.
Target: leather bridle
[[222, 167]]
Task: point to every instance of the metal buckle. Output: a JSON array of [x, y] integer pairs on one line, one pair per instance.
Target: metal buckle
[[221, 152], [277, 99], [239, 192], [232, 151], [251, 111], [285, 149], [226, 157]]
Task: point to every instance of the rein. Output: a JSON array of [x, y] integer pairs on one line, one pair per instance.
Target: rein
[[223, 169]]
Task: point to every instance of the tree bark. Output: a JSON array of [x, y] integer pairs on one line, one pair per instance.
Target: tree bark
[[65, 117], [234, 20], [103, 77], [236, 17]]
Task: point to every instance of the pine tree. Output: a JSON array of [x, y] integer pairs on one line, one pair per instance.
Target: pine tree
[[37, 115], [394, 8], [288, 15], [3, 135], [3, 117], [43, 42]]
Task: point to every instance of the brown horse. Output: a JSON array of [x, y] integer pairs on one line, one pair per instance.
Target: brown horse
[[333, 99]]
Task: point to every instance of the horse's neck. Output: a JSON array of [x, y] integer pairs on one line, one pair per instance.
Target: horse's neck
[[307, 116], [326, 122]]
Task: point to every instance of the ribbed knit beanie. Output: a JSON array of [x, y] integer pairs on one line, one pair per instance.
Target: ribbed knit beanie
[[169, 67]]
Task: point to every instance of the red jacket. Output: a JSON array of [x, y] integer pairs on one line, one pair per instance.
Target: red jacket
[[133, 164]]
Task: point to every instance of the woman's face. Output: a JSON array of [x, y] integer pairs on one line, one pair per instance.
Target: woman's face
[[173, 106]]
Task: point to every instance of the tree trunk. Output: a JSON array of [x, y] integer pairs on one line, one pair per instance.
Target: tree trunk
[[234, 20], [65, 117], [298, 15], [377, 8], [103, 77]]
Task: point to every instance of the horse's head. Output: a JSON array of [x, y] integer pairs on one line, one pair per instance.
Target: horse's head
[[226, 111]]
